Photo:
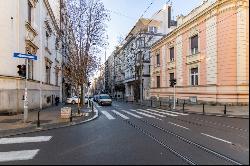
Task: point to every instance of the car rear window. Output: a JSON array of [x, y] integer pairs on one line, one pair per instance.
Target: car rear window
[[104, 97]]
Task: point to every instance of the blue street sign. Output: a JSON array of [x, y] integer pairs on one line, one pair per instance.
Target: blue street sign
[[26, 56]]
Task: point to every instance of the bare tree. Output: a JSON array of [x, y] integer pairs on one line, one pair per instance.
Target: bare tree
[[88, 19]]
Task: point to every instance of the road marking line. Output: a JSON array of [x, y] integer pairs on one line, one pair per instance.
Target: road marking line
[[217, 138], [162, 112], [121, 115], [152, 113], [110, 117], [18, 155], [24, 140], [147, 115], [179, 125], [137, 116], [178, 113]]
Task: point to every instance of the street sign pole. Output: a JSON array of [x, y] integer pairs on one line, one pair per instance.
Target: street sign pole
[[26, 94], [174, 98]]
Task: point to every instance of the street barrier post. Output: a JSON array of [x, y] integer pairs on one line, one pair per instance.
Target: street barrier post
[[203, 109], [225, 109], [38, 118]]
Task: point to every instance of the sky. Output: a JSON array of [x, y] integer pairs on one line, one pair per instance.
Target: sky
[[125, 13]]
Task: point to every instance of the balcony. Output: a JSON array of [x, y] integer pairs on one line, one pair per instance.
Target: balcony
[[171, 64], [194, 58]]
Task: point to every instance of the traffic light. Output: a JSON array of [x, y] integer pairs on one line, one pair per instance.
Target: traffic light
[[21, 70], [172, 82], [89, 83]]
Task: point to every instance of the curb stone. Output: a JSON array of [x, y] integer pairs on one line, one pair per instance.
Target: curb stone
[[48, 127]]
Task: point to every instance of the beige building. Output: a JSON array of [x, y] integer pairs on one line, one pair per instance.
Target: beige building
[[29, 26], [208, 54], [134, 55]]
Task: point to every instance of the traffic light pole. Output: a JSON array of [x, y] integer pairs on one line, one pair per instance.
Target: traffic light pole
[[88, 97], [26, 94]]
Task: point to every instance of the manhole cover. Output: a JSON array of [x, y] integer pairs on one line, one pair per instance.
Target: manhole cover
[[41, 121], [10, 120]]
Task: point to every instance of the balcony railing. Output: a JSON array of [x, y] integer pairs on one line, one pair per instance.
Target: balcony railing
[[194, 58]]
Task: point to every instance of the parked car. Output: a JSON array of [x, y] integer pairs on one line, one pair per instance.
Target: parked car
[[73, 100], [104, 99]]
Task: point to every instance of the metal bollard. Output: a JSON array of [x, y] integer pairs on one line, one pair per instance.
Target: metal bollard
[[151, 103], [225, 109], [92, 106], [38, 119], [203, 109], [183, 105], [160, 103], [70, 119]]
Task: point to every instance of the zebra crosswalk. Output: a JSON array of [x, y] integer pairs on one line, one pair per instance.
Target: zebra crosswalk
[[140, 113], [22, 154]]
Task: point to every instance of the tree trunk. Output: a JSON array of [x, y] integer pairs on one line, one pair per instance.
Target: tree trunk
[[82, 96]]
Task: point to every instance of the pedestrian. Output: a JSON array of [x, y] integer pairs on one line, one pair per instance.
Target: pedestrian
[[57, 100]]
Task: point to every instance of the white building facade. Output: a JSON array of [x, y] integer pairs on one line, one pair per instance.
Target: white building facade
[[135, 52], [30, 27]]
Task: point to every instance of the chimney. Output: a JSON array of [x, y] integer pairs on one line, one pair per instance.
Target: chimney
[[169, 16]]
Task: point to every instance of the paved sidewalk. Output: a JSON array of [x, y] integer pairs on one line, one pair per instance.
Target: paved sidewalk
[[49, 118]]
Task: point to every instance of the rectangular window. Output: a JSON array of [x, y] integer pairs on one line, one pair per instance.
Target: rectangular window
[[171, 50], [152, 29], [158, 81], [158, 59], [194, 44], [194, 77], [56, 75], [140, 42], [29, 12], [171, 76], [47, 39], [48, 71]]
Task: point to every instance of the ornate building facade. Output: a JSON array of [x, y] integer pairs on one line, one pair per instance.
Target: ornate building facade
[[208, 54], [29, 27]]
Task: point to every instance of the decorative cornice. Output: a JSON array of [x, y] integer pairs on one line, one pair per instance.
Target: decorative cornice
[[30, 28], [52, 16], [216, 6]]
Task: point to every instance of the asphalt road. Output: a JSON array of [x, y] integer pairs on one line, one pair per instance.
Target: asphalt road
[[132, 134]]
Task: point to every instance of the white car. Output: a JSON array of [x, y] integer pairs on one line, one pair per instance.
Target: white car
[[104, 99], [73, 100]]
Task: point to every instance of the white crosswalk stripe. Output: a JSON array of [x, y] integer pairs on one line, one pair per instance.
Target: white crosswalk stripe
[[110, 117], [178, 113], [121, 115], [18, 140], [137, 116], [151, 113], [18, 155], [161, 112], [144, 114], [21, 154]]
